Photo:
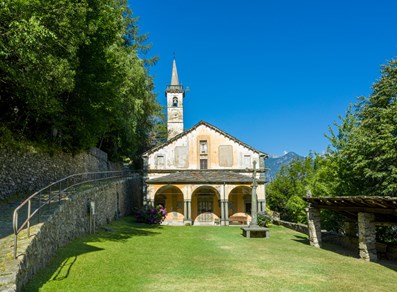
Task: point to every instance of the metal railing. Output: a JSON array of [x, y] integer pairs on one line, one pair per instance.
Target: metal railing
[[54, 194]]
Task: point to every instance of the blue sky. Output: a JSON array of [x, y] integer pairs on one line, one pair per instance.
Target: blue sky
[[273, 73]]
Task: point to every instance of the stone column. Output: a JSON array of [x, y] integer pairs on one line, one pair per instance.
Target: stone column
[[225, 205], [189, 211], [367, 236], [226, 202], [314, 226], [184, 210], [224, 212], [254, 204]]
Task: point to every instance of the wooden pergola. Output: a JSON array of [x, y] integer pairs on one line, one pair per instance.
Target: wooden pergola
[[367, 211]]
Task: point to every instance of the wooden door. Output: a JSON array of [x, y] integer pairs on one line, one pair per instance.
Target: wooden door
[[205, 209]]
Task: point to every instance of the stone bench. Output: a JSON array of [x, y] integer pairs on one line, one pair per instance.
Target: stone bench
[[259, 232]]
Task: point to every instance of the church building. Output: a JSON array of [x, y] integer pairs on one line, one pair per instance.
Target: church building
[[202, 176]]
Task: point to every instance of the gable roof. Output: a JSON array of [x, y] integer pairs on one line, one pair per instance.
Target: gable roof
[[203, 123]]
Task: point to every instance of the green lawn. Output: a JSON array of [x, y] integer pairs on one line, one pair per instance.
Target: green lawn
[[134, 257]]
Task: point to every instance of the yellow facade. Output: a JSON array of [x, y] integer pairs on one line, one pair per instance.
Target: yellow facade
[[203, 176]]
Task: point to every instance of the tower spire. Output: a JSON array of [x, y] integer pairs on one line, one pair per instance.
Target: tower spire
[[174, 76], [175, 95]]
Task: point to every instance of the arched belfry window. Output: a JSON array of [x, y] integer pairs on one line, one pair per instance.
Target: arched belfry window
[[175, 101]]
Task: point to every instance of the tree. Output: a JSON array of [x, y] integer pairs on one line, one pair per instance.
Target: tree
[[37, 62], [365, 147], [74, 76], [285, 192]]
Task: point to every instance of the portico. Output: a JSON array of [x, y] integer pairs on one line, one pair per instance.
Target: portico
[[204, 197]]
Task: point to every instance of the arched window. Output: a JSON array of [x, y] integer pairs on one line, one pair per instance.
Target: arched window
[[175, 101]]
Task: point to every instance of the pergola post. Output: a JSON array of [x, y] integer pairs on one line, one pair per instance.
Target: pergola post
[[367, 236], [314, 226]]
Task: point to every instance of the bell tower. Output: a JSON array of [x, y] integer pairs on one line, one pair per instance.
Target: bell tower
[[175, 94]]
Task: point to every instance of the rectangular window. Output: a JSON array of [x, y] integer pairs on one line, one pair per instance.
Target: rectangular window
[[203, 163], [181, 156], [226, 155], [203, 147], [247, 161], [160, 161]]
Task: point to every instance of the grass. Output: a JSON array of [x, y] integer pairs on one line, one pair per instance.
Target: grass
[[135, 257]]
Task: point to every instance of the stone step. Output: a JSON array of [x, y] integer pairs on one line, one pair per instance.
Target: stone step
[[8, 288], [7, 279]]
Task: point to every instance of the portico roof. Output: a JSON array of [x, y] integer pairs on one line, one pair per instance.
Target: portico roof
[[384, 208], [203, 177]]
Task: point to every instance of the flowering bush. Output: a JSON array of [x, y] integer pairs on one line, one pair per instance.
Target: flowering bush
[[151, 215]]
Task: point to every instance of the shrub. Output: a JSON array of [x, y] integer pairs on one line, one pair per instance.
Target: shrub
[[264, 219], [386, 234], [150, 215]]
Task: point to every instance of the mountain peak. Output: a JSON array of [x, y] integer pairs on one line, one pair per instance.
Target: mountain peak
[[275, 163]]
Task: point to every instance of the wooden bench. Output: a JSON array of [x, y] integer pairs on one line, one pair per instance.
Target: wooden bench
[[239, 219]]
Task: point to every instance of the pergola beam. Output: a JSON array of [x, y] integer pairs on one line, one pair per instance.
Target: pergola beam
[[358, 209]]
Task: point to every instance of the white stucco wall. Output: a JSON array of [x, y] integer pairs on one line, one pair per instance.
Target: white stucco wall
[[184, 152]]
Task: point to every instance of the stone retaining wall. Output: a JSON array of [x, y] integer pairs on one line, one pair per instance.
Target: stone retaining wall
[[27, 172], [302, 228], [112, 199]]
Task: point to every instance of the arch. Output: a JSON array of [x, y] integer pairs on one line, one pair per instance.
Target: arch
[[206, 208], [240, 203], [171, 197]]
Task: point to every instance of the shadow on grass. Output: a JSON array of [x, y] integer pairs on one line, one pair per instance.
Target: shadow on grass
[[123, 229], [301, 238], [60, 266], [344, 251], [328, 246], [66, 263], [63, 262]]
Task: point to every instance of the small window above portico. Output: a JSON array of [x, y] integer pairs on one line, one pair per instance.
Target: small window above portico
[[247, 161], [160, 161], [203, 147]]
